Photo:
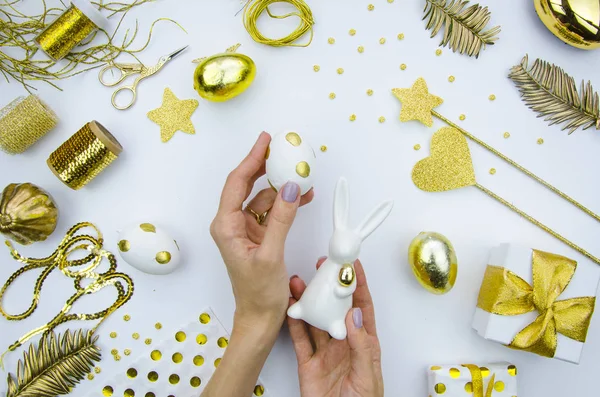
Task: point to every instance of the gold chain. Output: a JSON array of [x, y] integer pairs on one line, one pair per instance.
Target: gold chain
[[59, 259], [537, 223], [517, 166]]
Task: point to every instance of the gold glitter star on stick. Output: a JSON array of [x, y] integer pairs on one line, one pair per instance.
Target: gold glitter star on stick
[[417, 102], [174, 115]]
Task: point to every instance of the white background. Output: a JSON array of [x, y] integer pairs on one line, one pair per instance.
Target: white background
[[177, 185]]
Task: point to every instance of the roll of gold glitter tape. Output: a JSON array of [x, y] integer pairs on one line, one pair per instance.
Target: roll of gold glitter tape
[[85, 155], [76, 23], [23, 122]]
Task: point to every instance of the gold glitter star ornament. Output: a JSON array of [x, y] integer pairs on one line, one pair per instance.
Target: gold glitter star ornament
[[417, 102], [174, 115]]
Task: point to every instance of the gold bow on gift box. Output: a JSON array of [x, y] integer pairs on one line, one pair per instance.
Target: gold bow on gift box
[[505, 293], [477, 381]]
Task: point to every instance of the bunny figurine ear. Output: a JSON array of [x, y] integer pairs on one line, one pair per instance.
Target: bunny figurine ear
[[374, 219], [341, 205]]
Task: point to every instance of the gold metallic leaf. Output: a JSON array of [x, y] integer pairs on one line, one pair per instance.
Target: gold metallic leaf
[[56, 366], [463, 27], [549, 91]]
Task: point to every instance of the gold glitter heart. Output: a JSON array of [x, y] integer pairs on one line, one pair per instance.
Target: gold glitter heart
[[449, 167]]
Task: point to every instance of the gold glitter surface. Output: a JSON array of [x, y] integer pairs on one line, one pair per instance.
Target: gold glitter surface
[[332, 95], [507, 134], [451, 79], [400, 36], [417, 147], [369, 92], [352, 32], [382, 40], [331, 40], [65, 33], [23, 122], [340, 71], [540, 141], [417, 102], [174, 115], [438, 52], [492, 171], [316, 68], [403, 66], [84, 155], [371, 7], [449, 166], [352, 117], [492, 97], [361, 49]]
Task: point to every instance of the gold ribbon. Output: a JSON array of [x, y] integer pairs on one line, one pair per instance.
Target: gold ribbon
[[477, 381], [505, 293]]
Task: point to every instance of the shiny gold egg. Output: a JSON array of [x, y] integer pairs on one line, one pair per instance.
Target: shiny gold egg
[[347, 275], [433, 262], [224, 76], [576, 22]]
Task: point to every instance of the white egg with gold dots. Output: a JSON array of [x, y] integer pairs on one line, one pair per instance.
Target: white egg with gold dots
[[290, 159], [149, 249]]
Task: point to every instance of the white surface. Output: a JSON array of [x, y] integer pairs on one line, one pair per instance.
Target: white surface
[[177, 184], [455, 387], [503, 329]]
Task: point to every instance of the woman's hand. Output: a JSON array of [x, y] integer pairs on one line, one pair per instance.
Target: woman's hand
[[332, 368]]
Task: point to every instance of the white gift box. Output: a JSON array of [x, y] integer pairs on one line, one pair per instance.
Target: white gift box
[[455, 380], [503, 329]]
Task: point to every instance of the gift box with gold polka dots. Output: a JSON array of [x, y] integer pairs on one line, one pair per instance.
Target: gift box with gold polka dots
[[498, 380]]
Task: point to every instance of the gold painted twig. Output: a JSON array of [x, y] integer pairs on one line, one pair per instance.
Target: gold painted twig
[[538, 223], [517, 166]]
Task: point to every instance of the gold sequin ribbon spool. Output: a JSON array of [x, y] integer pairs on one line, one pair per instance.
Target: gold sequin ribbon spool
[[85, 155], [68, 31], [83, 271], [23, 122]]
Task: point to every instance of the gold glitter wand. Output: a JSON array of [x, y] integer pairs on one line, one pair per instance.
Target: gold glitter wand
[[450, 167], [418, 104]]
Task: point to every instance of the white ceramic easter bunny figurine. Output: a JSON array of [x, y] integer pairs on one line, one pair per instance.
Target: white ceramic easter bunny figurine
[[328, 297]]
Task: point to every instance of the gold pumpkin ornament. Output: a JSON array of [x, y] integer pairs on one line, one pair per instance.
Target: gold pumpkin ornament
[[222, 77], [433, 262], [27, 213], [576, 22]]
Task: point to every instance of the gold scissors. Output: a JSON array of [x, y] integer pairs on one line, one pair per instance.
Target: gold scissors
[[128, 69]]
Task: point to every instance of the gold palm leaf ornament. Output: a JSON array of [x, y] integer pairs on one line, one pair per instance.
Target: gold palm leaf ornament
[[56, 366], [464, 27], [549, 91]]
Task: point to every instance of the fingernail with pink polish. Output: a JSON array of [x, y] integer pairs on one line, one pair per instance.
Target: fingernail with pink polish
[[357, 317], [289, 192]]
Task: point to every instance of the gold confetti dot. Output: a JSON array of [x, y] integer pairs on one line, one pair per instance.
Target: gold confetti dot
[[435, 368], [469, 387], [492, 171], [540, 141], [132, 373], [148, 341], [156, 355], [361, 49], [180, 336], [158, 325], [417, 147], [352, 32], [222, 342], [382, 119], [440, 388], [114, 352], [369, 92], [117, 358], [512, 370], [499, 386], [177, 358], [340, 71], [152, 376], [174, 379], [107, 391], [113, 335], [454, 373], [195, 381], [451, 79], [400, 36], [323, 148], [205, 318], [403, 66], [126, 317], [332, 95], [492, 97], [201, 339], [371, 7], [462, 117], [217, 362], [382, 40], [129, 393], [259, 390], [438, 52], [90, 376], [331, 40], [127, 352], [507, 134], [198, 360], [97, 370], [135, 336], [316, 68], [352, 117]]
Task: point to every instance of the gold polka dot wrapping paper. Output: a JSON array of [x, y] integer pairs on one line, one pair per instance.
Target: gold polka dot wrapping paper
[[460, 380], [181, 364], [23, 122], [84, 155], [76, 23]]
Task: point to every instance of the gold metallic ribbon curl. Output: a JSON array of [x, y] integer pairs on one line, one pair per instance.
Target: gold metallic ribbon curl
[[85, 155], [477, 381], [23, 122], [77, 269], [254, 9], [505, 293]]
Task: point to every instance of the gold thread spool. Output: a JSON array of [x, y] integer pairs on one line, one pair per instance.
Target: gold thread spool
[[23, 122], [84, 155], [75, 24], [254, 9]]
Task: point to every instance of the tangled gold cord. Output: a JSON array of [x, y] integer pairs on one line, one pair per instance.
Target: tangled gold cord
[[254, 9]]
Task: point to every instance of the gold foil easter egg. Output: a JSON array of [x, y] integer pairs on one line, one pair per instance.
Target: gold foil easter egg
[[576, 22], [224, 76], [433, 262]]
